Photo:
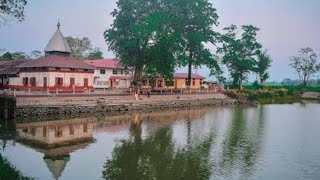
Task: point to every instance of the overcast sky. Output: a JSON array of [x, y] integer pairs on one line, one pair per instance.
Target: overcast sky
[[286, 25]]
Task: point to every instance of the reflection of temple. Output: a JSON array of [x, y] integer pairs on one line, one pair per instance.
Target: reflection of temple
[[56, 140]]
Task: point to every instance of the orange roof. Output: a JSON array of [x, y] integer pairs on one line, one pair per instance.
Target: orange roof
[[185, 76]]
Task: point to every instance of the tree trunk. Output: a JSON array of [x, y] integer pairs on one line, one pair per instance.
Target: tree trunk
[[189, 75], [137, 77], [189, 71]]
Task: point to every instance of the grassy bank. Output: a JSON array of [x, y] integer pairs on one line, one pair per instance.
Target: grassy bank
[[266, 96]]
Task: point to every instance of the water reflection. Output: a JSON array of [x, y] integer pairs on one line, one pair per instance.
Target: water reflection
[[56, 140], [243, 143], [157, 156], [207, 143]]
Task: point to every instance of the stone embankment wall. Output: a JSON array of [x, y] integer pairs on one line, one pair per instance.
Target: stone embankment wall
[[117, 104], [310, 95]]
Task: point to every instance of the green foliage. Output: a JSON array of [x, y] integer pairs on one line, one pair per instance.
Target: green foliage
[[8, 172], [306, 64], [155, 36], [12, 10], [12, 56], [95, 53], [263, 64], [194, 22], [239, 54], [256, 85]]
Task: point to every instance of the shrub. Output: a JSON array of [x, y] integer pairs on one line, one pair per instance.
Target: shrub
[[231, 94]]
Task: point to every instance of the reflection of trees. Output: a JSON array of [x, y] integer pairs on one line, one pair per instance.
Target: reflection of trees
[[156, 157], [242, 146]]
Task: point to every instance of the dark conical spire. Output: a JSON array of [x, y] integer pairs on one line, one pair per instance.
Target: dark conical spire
[[57, 44]]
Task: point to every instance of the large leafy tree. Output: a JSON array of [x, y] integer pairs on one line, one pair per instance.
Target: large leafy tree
[[142, 37], [194, 21], [263, 64], [95, 53], [81, 48], [239, 54], [12, 10], [19, 55], [306, 64]]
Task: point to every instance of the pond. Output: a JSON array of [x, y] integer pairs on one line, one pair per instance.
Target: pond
[[238, 142]]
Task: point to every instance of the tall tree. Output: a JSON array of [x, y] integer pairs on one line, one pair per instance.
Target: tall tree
[[12, 10], [305, 64], [95, 53], [263, 64], [79, 47], [19, 55], [142, 38], [194, 21], [239, 53]]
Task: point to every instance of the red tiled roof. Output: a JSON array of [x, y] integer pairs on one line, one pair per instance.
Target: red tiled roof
[[56, 61], [120, 77], [10, 67], [105, 63], [185, 76]]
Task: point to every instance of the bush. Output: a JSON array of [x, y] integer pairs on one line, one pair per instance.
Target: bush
[[253, 97], [231, 94]]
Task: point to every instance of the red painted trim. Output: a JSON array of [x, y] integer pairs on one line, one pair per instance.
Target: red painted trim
[[51, 88], [59, 71]]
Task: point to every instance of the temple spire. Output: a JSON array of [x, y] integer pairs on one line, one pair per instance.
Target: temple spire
[[58, 45]]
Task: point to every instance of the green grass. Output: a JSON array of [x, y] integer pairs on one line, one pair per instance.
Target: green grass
[[8, 172]]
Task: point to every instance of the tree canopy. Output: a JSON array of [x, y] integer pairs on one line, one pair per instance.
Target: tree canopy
[[19, 55], [306, 64], [156, 36], [11, 10], [263, 64], [81, 48], [240, 54]]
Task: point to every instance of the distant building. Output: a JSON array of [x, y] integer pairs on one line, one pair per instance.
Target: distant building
[[109, 73], [57, 70], [179, 81]]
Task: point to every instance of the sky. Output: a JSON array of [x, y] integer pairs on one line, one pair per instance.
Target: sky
[[286, 26]]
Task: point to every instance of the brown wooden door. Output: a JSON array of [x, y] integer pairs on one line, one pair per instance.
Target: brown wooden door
[[85, 82], [72, 81], [33, 81], [45, 82]]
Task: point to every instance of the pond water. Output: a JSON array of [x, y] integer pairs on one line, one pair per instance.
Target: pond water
[[238, 142]]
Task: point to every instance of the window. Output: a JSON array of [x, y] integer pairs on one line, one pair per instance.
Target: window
[[44, 131], [59, 81], [71, 130], [72, 81], [25, 81], [44, 68], [72, 69], [187, 82], [57, 68], [102, 71], [115, 71], [121, 71], [193, 82], [25, 130], [58, 132], [85, 127], [33, 131], [86, 70], [85, 82], [126, 72], [33, 81]]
